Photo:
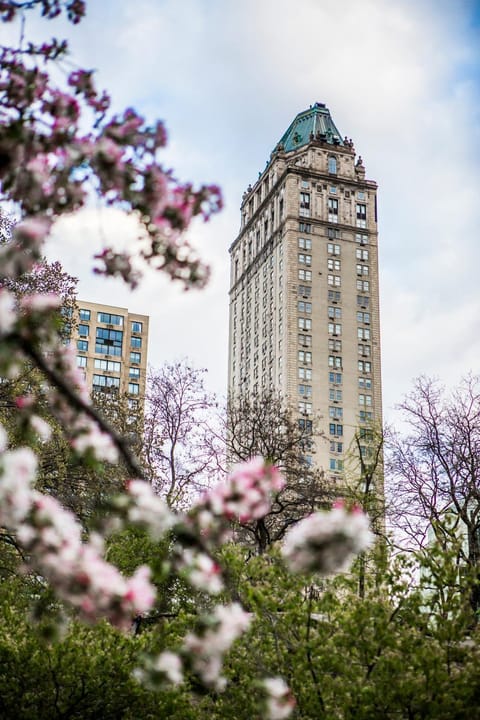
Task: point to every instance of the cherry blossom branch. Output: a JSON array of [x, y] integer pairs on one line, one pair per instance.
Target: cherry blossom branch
[[80, 405]]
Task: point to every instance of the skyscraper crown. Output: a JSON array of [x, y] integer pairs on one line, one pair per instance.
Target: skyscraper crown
[[316, 122]]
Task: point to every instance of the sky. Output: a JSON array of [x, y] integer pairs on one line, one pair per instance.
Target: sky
[[400, 77]]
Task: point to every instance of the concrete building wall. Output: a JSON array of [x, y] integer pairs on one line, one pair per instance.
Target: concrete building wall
[[112, 346], [304, 296]]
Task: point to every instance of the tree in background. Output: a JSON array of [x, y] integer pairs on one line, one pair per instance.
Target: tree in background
[[181, 447], [434, 471], [265, 425]]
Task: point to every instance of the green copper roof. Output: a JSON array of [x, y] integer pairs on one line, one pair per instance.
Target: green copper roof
[[317, 121]]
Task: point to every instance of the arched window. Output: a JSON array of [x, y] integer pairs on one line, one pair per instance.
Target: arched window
[[332, 165]]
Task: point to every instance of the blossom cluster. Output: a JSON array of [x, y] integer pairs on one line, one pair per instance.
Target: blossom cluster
[[245, 496], [327, 541], [50, 166], [279, 701], [53, 540], [202, 652]]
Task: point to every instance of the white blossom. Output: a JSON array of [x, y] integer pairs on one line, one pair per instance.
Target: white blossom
[[327, 541]]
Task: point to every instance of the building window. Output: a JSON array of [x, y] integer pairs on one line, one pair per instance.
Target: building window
[[336, 464], [137, 327], [305, 204], [334, 296], [84, 330], [135, 357], [305, 408], [335, 378], [361, 215], [305, 275], [332, 190], [361, 195], [81, 361], [361, 239], [364, 366], [304, 259], [363, 317], [363, 285], [304, 290], [305, 243], [306, 425], [305, 356], [335, 429], [334, 280], [133, 388], [365, 400], [304, 227], [110, 319], [305, 390], [334, 412], [365, 416], [363, 301], [332, 210], [336, 447], [82, 345], [335, 395], [362, 269], [107, 365], [365, 383], [304, 373], [333, 233], [333, 248], [305, 340], [334, 264], [332, 165], [361, 254], [134, 373], [363, 333], [364, 350], [335, 361], [108, 342], [136, 342], [334, 345], [304, 323], [334, 328], [304, 307], [334, 312], [104, 381], [84, 314]]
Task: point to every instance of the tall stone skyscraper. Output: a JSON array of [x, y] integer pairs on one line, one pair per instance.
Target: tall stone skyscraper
[[304, 307]]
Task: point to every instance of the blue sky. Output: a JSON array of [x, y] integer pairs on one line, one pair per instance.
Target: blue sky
[[401, 78]]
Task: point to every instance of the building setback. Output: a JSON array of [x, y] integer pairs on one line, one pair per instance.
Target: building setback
[[112, 346], [304, 301]]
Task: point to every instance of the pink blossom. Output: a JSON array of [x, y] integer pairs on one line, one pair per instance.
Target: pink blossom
[[8, 315], [91, 438], [170, 664], [206, 649], [140, 593], [201, 571], [247, 493], [327, 541], [148, 510], [41, 302], [280, 702]]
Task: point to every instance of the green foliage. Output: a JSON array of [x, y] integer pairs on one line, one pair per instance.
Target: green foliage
[[88, 675], [395, 653]]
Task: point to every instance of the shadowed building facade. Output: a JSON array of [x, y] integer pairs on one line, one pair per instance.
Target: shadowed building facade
[[304, 297]]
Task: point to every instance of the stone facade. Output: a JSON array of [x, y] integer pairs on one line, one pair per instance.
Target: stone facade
[[304, 297]]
